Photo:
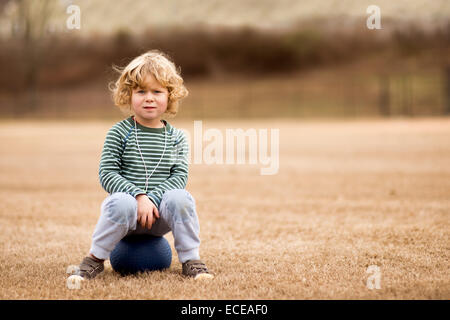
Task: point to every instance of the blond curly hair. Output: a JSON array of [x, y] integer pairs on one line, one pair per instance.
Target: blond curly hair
[[132, 76]]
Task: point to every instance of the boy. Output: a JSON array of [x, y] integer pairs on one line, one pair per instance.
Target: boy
[[144, 167]]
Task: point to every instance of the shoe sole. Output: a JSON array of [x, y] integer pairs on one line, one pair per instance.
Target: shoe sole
[[204, 276]]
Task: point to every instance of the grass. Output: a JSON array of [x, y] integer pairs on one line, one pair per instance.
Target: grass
[[349, 194]]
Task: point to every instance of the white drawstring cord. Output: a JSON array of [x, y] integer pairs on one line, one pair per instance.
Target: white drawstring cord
[[147, 176]]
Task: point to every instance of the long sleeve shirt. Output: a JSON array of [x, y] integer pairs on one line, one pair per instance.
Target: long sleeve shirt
[[122, 167]]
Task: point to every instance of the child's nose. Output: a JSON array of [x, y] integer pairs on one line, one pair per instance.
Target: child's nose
[[149, 96]]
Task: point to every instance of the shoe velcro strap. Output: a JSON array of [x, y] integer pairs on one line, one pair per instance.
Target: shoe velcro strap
[[197, 265], [88, 263]]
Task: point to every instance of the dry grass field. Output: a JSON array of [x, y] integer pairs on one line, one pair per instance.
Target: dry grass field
[[348, 194]]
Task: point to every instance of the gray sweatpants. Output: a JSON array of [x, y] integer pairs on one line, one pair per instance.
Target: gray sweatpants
[[118, 219]]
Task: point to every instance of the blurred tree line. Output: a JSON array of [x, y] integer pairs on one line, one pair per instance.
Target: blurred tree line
[[35, 59]]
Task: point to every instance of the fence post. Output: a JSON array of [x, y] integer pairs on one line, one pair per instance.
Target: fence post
[[447, 89], [384, 103], [406, 95]]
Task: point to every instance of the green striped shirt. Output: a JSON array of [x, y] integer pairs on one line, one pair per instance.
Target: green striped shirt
[[122, 168]]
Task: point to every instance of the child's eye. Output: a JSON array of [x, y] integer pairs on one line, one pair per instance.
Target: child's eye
[[141, 91]]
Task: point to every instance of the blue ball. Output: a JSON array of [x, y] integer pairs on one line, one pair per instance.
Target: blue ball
[[140, 253]]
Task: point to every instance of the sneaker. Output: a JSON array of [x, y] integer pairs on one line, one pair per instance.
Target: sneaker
[[197, 270], [90, 268]]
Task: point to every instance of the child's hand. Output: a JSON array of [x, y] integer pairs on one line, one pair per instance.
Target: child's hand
[[146, 211]]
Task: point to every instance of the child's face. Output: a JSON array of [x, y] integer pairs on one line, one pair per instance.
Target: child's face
[[149, 102]]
